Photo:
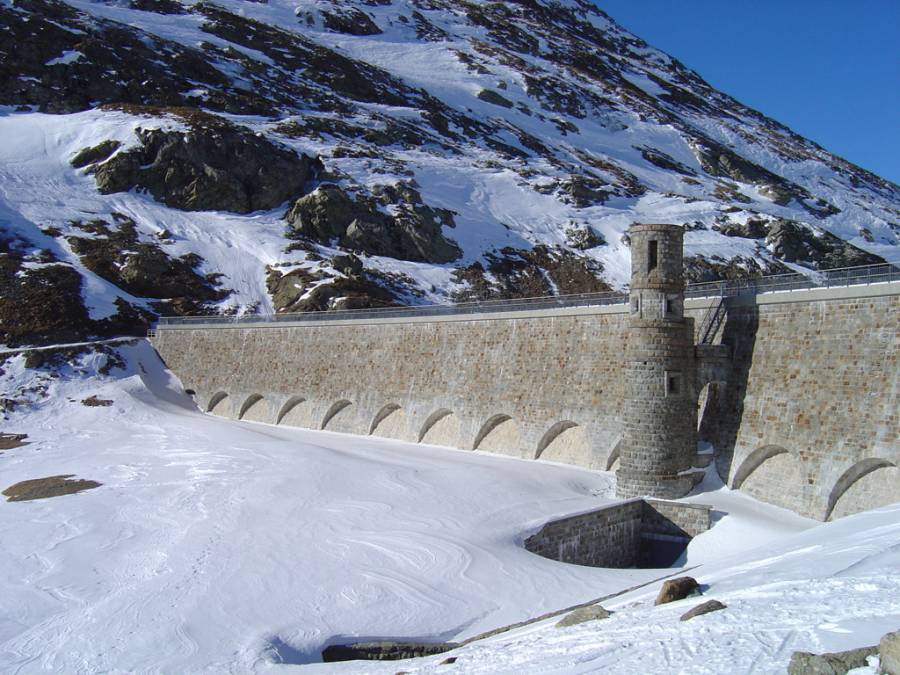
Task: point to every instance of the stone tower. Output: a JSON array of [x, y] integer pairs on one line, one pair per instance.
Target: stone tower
[[659, 442]]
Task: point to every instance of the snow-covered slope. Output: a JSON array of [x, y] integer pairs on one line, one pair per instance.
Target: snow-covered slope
[[467, 150], [220, 546]]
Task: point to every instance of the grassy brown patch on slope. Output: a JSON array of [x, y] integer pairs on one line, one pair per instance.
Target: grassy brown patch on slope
[[43, 488]]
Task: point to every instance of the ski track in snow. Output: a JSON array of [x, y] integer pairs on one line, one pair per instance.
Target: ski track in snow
[[220, 546]]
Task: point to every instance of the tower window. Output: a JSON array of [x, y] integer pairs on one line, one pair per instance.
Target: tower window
[[673, 383], [652, 255]]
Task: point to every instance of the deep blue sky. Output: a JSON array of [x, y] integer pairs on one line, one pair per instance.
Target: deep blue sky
[[828, 69]]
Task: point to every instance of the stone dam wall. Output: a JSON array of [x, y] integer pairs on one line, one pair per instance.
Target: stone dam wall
[[808, 418]]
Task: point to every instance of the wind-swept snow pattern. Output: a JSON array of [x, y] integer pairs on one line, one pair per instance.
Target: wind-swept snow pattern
[[467, 150], [221, 546]]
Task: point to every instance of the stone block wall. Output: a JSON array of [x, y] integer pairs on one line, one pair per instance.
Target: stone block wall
[[808, 418], [614, 535], [548, 385], [674, 519], [607, 537]]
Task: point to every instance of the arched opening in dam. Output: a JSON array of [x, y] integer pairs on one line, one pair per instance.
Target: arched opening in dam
[[867, 484], [441, 428], [219, 404], [255, 409], [336, 414], [565, 442], [500, 434], [390, 422], [295, 412]]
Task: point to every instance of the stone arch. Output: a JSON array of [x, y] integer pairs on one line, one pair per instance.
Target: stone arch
[[552, 434], [336, 408], [612, 462], [499, 434], [253, 409], [565, 442], [441, 428], [218, 401], [776, 475], [290, 406], [389, 422], [753, 461], [880, 492]]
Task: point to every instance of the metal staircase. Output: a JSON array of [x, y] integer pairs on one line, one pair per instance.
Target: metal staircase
[[712, 320]]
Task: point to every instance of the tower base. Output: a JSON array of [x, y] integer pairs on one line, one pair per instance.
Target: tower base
[[631, 484]]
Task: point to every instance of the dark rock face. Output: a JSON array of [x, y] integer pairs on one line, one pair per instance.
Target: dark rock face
[[583, 238], [704, 269], [413, 232], [93, 402], [142, 268], [209, 168], [529, 273], [95, 154], [705, 608], [491, 96], [39, 305], [838, 663], [793, 242], [754, 228], [677, 589], [344, 294], [351, 21], [384, 651]]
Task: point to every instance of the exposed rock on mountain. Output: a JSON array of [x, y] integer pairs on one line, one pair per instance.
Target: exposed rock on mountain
[[214, 167], [412, 232], [462, 150], [142, 268], [40, 298]]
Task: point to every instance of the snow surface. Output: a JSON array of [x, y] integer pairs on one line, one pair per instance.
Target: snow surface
[[220, 546]]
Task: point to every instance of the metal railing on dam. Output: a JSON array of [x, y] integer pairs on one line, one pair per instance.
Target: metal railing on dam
[[794, 281]]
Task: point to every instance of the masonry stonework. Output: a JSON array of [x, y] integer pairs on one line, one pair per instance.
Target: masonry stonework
[[616, 535], [800, 394], [660, 427]]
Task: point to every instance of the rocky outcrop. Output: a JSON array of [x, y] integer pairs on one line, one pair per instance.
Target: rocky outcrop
[[739, 267], [491, 96], [115, 253], [94, 154], [529, 273], [705, 608], [384, 651], [793, 242], [39, 304], [583, 615], [889, 653], [677, 589], [836, 663], [218, 167], [754, 228], [349, 20], [412, 232], [583, 237]]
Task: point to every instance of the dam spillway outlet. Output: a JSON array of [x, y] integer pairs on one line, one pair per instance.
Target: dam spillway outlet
[[646, 533]]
